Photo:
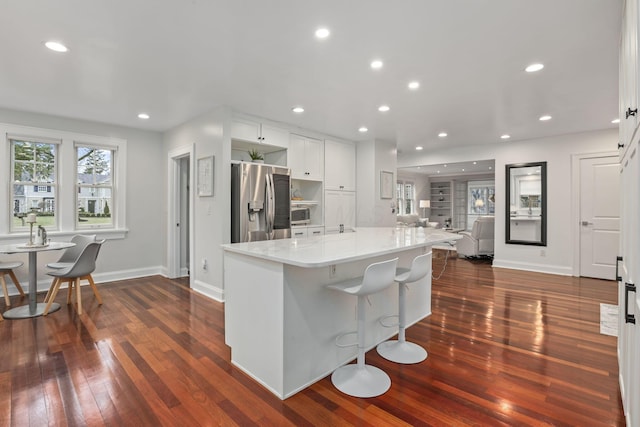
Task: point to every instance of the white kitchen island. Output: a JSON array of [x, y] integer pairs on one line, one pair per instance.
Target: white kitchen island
[[281, 321]]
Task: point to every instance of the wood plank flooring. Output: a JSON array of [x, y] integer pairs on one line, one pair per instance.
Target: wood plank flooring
[[505, 348]]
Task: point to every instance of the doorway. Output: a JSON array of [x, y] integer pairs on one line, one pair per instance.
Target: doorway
[[180, 218], [599, 215]]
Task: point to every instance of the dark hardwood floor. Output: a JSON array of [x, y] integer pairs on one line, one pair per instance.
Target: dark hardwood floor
[[505, 348]]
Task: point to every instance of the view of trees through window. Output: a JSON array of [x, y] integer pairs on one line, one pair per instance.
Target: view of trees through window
[[34, 182], [95, 185]]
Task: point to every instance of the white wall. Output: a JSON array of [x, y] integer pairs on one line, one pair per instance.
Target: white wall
[[561, 216], [140, 252], [372, 157], [209, 135]]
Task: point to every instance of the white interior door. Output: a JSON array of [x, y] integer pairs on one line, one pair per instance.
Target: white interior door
[[599, 216]]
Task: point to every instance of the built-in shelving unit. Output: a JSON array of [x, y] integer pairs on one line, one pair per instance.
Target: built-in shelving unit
[[441, 199]]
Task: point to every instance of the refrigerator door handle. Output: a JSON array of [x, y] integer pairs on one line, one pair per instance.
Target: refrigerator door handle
[[269, 206]]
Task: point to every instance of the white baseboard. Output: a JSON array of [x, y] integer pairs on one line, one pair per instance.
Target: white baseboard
[[538, 268], [208, 290]]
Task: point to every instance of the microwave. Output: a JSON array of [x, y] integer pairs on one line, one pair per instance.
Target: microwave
[[300, 216]]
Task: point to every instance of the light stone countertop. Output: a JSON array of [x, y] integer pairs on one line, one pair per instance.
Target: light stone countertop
[[322, 251]]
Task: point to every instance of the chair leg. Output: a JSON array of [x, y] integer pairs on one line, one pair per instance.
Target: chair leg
[[52, 296], [78, 296], [46, 297], [94, 287], [16, 282], [7, 301], [70, 283]]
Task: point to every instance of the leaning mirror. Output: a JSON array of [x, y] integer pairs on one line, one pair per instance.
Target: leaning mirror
[[526, 217]]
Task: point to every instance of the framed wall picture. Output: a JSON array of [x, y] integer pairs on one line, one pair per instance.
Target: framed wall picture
[[205, 176], [386, 185]]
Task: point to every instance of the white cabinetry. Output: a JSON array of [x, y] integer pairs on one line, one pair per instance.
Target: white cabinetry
[[306, 158], [628, 78], [441, 198], [628, 268], [340, 211], [339, 166], [259, 133]]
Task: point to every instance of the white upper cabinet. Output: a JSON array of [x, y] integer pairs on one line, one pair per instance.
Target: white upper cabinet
[[628, 78], [339, 166], [259, 133], [306, 158]]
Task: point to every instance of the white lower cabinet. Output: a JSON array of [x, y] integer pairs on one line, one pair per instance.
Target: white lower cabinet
[[339, 211]]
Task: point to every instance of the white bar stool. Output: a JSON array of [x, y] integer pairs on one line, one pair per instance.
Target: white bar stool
[[401, 351], [361, 380]]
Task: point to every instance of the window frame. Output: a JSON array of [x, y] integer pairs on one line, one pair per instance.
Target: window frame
[[402, 200], [66, 203], [35, 184], [79, 187]]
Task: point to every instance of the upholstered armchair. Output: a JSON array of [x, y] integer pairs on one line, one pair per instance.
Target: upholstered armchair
[[479, 241]]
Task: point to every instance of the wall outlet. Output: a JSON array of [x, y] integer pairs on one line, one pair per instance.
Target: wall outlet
[[543, 252], [332, 271], [204, 263]]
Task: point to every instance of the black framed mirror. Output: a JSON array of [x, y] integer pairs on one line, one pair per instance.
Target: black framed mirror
[[526, 204]]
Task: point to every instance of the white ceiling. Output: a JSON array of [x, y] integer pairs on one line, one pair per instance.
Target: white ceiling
[[177, 59]]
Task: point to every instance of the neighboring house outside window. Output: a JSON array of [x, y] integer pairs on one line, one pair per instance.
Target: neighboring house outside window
[[34, 172], [95, 186]]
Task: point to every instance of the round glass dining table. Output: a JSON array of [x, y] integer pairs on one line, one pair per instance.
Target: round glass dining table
[[33, 309]]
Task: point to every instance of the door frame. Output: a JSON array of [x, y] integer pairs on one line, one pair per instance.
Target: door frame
[[575, 202], [173, 211]]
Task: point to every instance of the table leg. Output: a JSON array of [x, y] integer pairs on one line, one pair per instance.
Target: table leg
[[34, 309], [33, 282]]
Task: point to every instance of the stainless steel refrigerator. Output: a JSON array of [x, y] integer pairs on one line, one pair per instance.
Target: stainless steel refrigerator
[[260, 202]]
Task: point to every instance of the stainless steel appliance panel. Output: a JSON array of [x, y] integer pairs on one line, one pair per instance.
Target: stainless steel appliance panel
[[260, 202]]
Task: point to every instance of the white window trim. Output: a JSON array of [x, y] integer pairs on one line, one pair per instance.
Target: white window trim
[[67, 167]]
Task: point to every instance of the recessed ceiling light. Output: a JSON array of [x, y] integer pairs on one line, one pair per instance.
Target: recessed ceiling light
[[490, 167], [534, 67], [615, 121], [383, 108], [418, 148], [438, 171], [413, 85], [444, 166], [363, 129], [297, 110], [376, 64], [322, 33], [56, 46], [475, 163], [462, 169], [505, 136], [143, 116], [442, 134], [545, 118]]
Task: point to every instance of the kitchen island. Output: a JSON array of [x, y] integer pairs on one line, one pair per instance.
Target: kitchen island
[[281, 321]]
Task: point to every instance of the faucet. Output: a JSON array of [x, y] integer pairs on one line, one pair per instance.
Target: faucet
[[42, 233]]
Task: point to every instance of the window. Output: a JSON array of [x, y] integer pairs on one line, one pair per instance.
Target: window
[[71, 181], [34, 172], [481, 198], [405, 192], [95, 186]]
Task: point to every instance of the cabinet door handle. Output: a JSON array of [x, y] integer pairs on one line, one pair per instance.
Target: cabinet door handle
[[585, 223], [620, 146], [618, 277], [631, 112], [628, 318]]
